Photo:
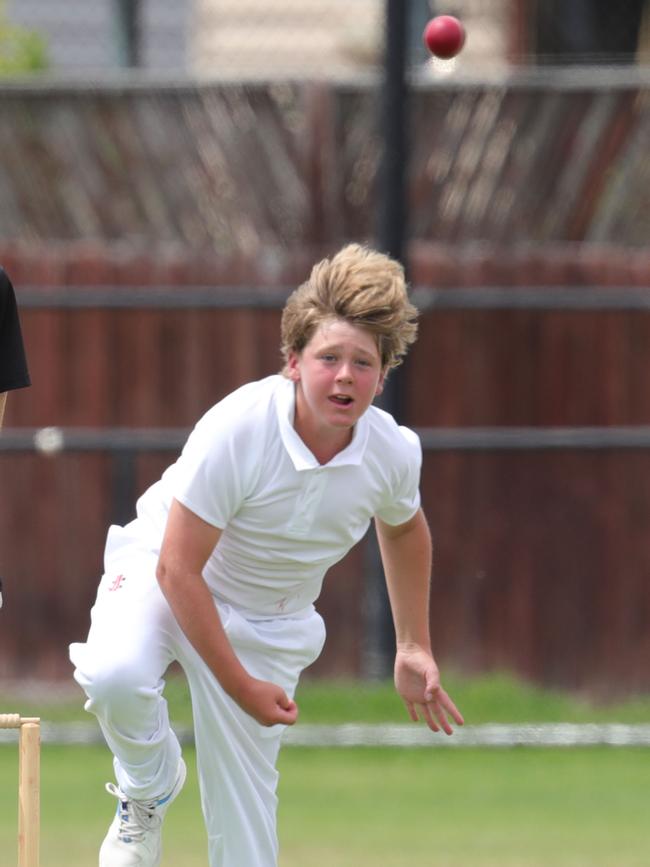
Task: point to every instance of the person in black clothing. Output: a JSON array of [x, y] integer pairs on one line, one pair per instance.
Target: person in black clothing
[[13, 365]]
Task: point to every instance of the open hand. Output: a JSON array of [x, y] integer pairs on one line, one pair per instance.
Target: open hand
[[417, 680]]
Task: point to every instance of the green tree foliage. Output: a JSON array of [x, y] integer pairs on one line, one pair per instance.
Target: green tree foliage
[[21, 50]]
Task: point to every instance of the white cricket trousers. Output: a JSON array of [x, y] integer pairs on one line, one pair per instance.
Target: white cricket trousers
[[132, 640]]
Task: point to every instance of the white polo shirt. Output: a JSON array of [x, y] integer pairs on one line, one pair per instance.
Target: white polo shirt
[[285, 519]]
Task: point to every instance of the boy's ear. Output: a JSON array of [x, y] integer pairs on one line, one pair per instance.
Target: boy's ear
[[380, 384], [292, 367]]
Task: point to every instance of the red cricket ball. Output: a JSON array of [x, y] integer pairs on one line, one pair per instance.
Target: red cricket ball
[[444, 36]]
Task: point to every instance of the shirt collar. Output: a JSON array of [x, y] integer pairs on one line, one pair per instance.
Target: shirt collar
[[301, 457]]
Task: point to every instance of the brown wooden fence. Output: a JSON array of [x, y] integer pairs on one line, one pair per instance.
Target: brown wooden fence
[[541, 554]]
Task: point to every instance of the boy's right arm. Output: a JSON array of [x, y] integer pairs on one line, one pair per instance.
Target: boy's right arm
[[187, 544]]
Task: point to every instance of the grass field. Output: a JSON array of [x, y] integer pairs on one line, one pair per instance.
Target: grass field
[[358, 807], [385, 808]]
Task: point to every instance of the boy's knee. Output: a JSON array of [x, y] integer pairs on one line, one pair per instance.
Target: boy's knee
[[118, 684]]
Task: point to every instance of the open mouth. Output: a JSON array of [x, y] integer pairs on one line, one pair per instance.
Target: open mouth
[[341, 399]]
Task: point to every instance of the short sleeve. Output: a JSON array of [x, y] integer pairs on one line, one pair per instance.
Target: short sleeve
[[13, 365], [213, 473], [404, 499]]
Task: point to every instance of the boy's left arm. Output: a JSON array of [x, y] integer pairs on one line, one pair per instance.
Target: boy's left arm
[[406, 557]]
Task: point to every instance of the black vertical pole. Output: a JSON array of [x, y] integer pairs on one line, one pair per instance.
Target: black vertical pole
[[127, 13], [124, 489], [379, 640], [392, 193]]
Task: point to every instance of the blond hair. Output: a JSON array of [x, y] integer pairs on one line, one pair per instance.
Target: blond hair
[[360, 286]]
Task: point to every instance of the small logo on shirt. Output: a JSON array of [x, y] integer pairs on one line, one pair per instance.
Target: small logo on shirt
[[117, 583]]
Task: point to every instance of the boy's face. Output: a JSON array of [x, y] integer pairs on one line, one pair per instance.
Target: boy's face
[[338, 374]]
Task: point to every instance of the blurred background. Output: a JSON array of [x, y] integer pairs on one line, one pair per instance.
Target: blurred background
[[170, 170]]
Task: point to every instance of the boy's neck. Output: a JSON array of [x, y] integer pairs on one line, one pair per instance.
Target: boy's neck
[[323, 446]]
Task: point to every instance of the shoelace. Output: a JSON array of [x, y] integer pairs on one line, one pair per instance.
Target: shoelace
[[136, 817]]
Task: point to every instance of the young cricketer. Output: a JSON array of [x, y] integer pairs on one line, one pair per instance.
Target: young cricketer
[[222, 566]]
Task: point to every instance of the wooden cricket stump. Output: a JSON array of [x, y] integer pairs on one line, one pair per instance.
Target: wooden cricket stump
[[29, 785]]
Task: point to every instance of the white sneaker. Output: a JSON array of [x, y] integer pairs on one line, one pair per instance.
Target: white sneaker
[[134, 838]]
